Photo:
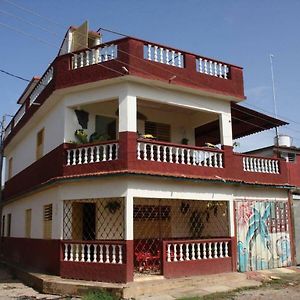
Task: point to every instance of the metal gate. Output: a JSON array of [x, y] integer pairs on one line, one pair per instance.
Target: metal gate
[[263, 238], [156, 220]]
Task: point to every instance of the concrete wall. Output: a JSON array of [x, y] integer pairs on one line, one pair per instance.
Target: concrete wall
[[136, 187], [35, 202], [23, 148]]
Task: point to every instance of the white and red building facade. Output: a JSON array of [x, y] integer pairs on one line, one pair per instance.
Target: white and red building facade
[[123, 203]]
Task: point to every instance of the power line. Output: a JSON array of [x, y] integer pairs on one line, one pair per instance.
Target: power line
[[27, 34], [32, 12], [118, 33], [27, 22], [13, 75]]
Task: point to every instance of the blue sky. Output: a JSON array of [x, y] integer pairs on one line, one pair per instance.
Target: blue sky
[[239, 32]]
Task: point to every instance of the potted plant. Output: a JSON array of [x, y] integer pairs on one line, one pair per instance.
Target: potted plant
[[113, 206]]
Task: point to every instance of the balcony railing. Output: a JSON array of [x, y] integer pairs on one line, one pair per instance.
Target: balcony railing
[[185, 250], [164, 55], [105, 252], [179, 154], [260, 165], [212, 68], [44, 81], [92, 153], [94, 56]]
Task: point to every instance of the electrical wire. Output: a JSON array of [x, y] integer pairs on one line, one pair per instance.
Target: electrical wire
[[27, 22], [13, 75], [32, 12], [117, 33]]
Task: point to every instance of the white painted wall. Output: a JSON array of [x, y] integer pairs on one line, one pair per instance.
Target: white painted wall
[[35, 202], [127, 94], [23, 149], [60, 122], [129, 188]]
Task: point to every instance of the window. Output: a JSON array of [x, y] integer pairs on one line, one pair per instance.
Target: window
[[28, 223], [3, 226], [106, 127], [162, 132], [40, 143], [10, 168], [47, 221], [8, 229]]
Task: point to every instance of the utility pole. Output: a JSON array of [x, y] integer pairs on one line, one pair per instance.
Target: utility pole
[[2, 128]]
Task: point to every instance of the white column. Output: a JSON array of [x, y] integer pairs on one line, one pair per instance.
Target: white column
[[231, 216], [127, 112], [128, 217], [225, 129]]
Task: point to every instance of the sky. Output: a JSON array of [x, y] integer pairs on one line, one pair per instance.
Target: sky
[[239, 32]]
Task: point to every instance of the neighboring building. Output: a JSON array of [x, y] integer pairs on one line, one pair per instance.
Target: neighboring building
[[127, 203], [283, 148]]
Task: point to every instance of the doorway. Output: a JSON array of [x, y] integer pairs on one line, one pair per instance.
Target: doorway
[[88, 221]]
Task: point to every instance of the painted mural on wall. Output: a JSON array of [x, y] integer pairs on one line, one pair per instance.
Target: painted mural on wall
[[263, 240]]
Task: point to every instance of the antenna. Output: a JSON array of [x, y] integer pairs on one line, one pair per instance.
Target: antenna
[[274, 96]]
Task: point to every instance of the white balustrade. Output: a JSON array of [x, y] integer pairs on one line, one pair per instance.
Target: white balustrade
[[92, 154], [260, 165], [7, 130], [93, 253], [19, 115], [212, 68], [179, 155], [197, 250], [44, 81], [164, 56], [94, 56]]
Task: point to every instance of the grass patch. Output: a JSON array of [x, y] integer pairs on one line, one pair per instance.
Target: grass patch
[[99, 295]]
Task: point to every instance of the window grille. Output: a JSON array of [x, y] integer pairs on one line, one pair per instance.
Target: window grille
[[162, 132], [94, 219]]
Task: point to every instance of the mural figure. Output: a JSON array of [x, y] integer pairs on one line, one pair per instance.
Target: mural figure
[[263, 237]]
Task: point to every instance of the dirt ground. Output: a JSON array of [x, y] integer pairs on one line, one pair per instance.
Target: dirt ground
[[276, 285], [12, 288]]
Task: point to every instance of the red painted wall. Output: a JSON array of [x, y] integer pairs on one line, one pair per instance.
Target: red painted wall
[[130, 55], [52, 167], [34, 254]]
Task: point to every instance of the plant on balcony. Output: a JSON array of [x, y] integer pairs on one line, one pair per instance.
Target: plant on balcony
[[184, 141], [113, 206], [97, 137], [81, 136]]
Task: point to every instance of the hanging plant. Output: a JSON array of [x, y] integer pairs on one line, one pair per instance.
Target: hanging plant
[[113, 206]]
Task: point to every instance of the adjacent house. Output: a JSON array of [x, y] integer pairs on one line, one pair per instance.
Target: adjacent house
[[120, 163]]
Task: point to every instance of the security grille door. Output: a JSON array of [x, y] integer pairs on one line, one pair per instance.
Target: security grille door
[[156, 220]]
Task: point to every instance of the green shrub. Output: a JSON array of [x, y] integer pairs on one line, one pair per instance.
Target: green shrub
[[99, 295]]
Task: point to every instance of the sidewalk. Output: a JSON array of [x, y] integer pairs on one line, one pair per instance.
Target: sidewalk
[[145, 287]]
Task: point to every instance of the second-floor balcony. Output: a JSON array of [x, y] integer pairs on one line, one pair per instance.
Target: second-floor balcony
[[133, 155]]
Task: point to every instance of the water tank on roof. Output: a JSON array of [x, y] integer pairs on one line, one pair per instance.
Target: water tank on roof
[[283, 140]]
